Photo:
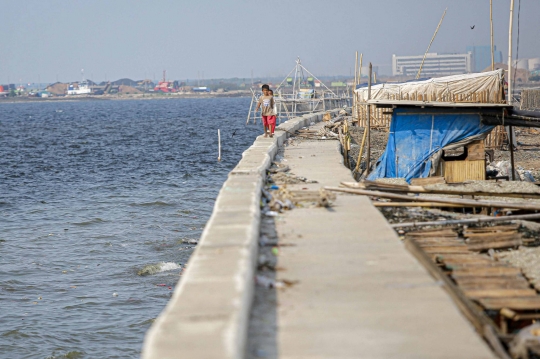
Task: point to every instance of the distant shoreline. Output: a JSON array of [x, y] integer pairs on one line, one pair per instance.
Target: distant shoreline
[[116, 97]]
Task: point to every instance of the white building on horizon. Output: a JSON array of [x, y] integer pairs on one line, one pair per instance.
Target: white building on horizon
[[434, 65]]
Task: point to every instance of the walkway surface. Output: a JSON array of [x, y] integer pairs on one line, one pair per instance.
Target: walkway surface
[[359, 294]]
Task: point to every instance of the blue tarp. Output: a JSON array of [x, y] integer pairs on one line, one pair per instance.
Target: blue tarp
[[417, 134]]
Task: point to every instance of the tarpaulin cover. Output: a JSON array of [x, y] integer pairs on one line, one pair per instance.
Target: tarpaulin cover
[[416, 138], [439, 88]]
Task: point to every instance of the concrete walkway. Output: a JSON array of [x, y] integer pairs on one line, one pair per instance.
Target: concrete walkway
[[360, 294]]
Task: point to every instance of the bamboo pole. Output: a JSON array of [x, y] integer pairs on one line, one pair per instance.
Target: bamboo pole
[[368, 128], [472, 203], [219, 145], [420, 189], [467, 221], [433, 38], [359, 81], [491, 24], [509, 99], [416, 204], [359, 159]]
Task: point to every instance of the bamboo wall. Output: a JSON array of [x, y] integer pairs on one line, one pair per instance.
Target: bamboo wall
[[530, 100]]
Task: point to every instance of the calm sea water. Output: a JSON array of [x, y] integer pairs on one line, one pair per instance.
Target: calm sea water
[[91, 194]]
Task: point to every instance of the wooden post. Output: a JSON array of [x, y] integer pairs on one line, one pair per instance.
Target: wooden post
[[511, 144], [219, 145], [368, 128]]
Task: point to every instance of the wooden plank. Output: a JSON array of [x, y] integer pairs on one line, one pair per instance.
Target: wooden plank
[[464, 258], [437, 241], [499, 236], [486, 271], [506, 228], [426, 181], [499, 293], [477, 317], [476, 151], [497, 279], [446, 232], [441, 250], [453, 244], [514, 303], [456, 266], [506, 285], [494, 245]]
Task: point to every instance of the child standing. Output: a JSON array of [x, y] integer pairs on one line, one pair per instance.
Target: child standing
[[267, 111]]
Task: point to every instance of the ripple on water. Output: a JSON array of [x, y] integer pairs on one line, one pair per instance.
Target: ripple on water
[[95, 191]]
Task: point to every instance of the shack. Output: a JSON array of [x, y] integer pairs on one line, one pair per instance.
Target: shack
[[429, 118], [421, 133]]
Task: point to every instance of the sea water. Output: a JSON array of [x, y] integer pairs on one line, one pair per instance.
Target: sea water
[[101, 205]]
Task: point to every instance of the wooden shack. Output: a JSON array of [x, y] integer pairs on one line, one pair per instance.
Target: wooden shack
[[436, 139]]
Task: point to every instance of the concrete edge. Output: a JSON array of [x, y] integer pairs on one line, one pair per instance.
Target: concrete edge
[[209, 311]]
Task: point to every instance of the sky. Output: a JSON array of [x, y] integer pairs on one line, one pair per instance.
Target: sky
[[49, 40]]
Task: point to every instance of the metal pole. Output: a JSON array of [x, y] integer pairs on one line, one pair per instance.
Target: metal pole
[[492, 46], [509, 97], [433, 38], [368, 154]]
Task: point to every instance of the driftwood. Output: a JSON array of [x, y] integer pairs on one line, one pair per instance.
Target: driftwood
[[470, 202]]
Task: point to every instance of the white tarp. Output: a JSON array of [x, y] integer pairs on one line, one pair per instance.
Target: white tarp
[[446, 89]]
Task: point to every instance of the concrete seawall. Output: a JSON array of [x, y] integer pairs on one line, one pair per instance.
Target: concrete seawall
[[207, 317]]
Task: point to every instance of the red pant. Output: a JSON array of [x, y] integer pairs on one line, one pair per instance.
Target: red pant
[[269, 121]]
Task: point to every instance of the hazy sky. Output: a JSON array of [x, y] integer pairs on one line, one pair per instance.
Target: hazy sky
[[112, 39]]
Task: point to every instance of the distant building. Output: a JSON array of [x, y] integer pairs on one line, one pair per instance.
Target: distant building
[[481, 56], [527, 64], [434, 65]]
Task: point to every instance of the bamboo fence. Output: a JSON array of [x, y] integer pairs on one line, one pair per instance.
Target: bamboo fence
[[530, 99]]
